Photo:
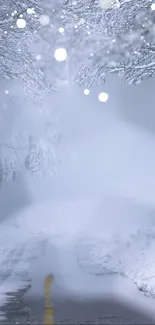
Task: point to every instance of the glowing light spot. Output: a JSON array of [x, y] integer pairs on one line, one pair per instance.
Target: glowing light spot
[[38, 57], [30, 11], [44, 20], [60, 54], [61, 30], [103, 97], [86, 91], [21, 23], [153, 6]]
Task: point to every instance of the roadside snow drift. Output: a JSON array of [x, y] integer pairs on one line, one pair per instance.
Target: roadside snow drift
[[108, 236]]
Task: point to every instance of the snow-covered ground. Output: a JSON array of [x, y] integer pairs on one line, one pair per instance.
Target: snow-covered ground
[[95, 216], [82, 249]]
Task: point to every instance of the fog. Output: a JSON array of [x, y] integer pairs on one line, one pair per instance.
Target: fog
[[104, 184]]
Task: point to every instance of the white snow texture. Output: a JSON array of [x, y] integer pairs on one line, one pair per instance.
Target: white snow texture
[[97, 209]]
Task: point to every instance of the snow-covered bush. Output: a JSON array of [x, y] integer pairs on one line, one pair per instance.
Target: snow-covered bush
[[8, 162]]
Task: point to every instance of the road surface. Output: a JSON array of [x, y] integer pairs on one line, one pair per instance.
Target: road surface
[[94, 312], [23, 309]]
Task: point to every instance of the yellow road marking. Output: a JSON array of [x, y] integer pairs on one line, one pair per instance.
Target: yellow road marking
[[48, 317]]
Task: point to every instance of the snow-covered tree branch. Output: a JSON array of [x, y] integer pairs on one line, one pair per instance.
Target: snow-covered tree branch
[[46, 44], [17, 31], [95, 33], [98, 39]]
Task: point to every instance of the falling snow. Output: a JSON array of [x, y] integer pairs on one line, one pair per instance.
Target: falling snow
[[86, 91], [103, 97], [44, 20], [61, 30], [21, 23], [30, 11], [110, 36], [38, 57], [153, 6], [75, 27], [60, 54]]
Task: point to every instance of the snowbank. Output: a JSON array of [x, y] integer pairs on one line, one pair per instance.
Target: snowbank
[[112, 236], [87, 245]]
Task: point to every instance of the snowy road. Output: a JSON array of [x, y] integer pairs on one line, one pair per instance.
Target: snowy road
[[84, 312], [76, 295], [73, 286], [26, 309], [110, 261]]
